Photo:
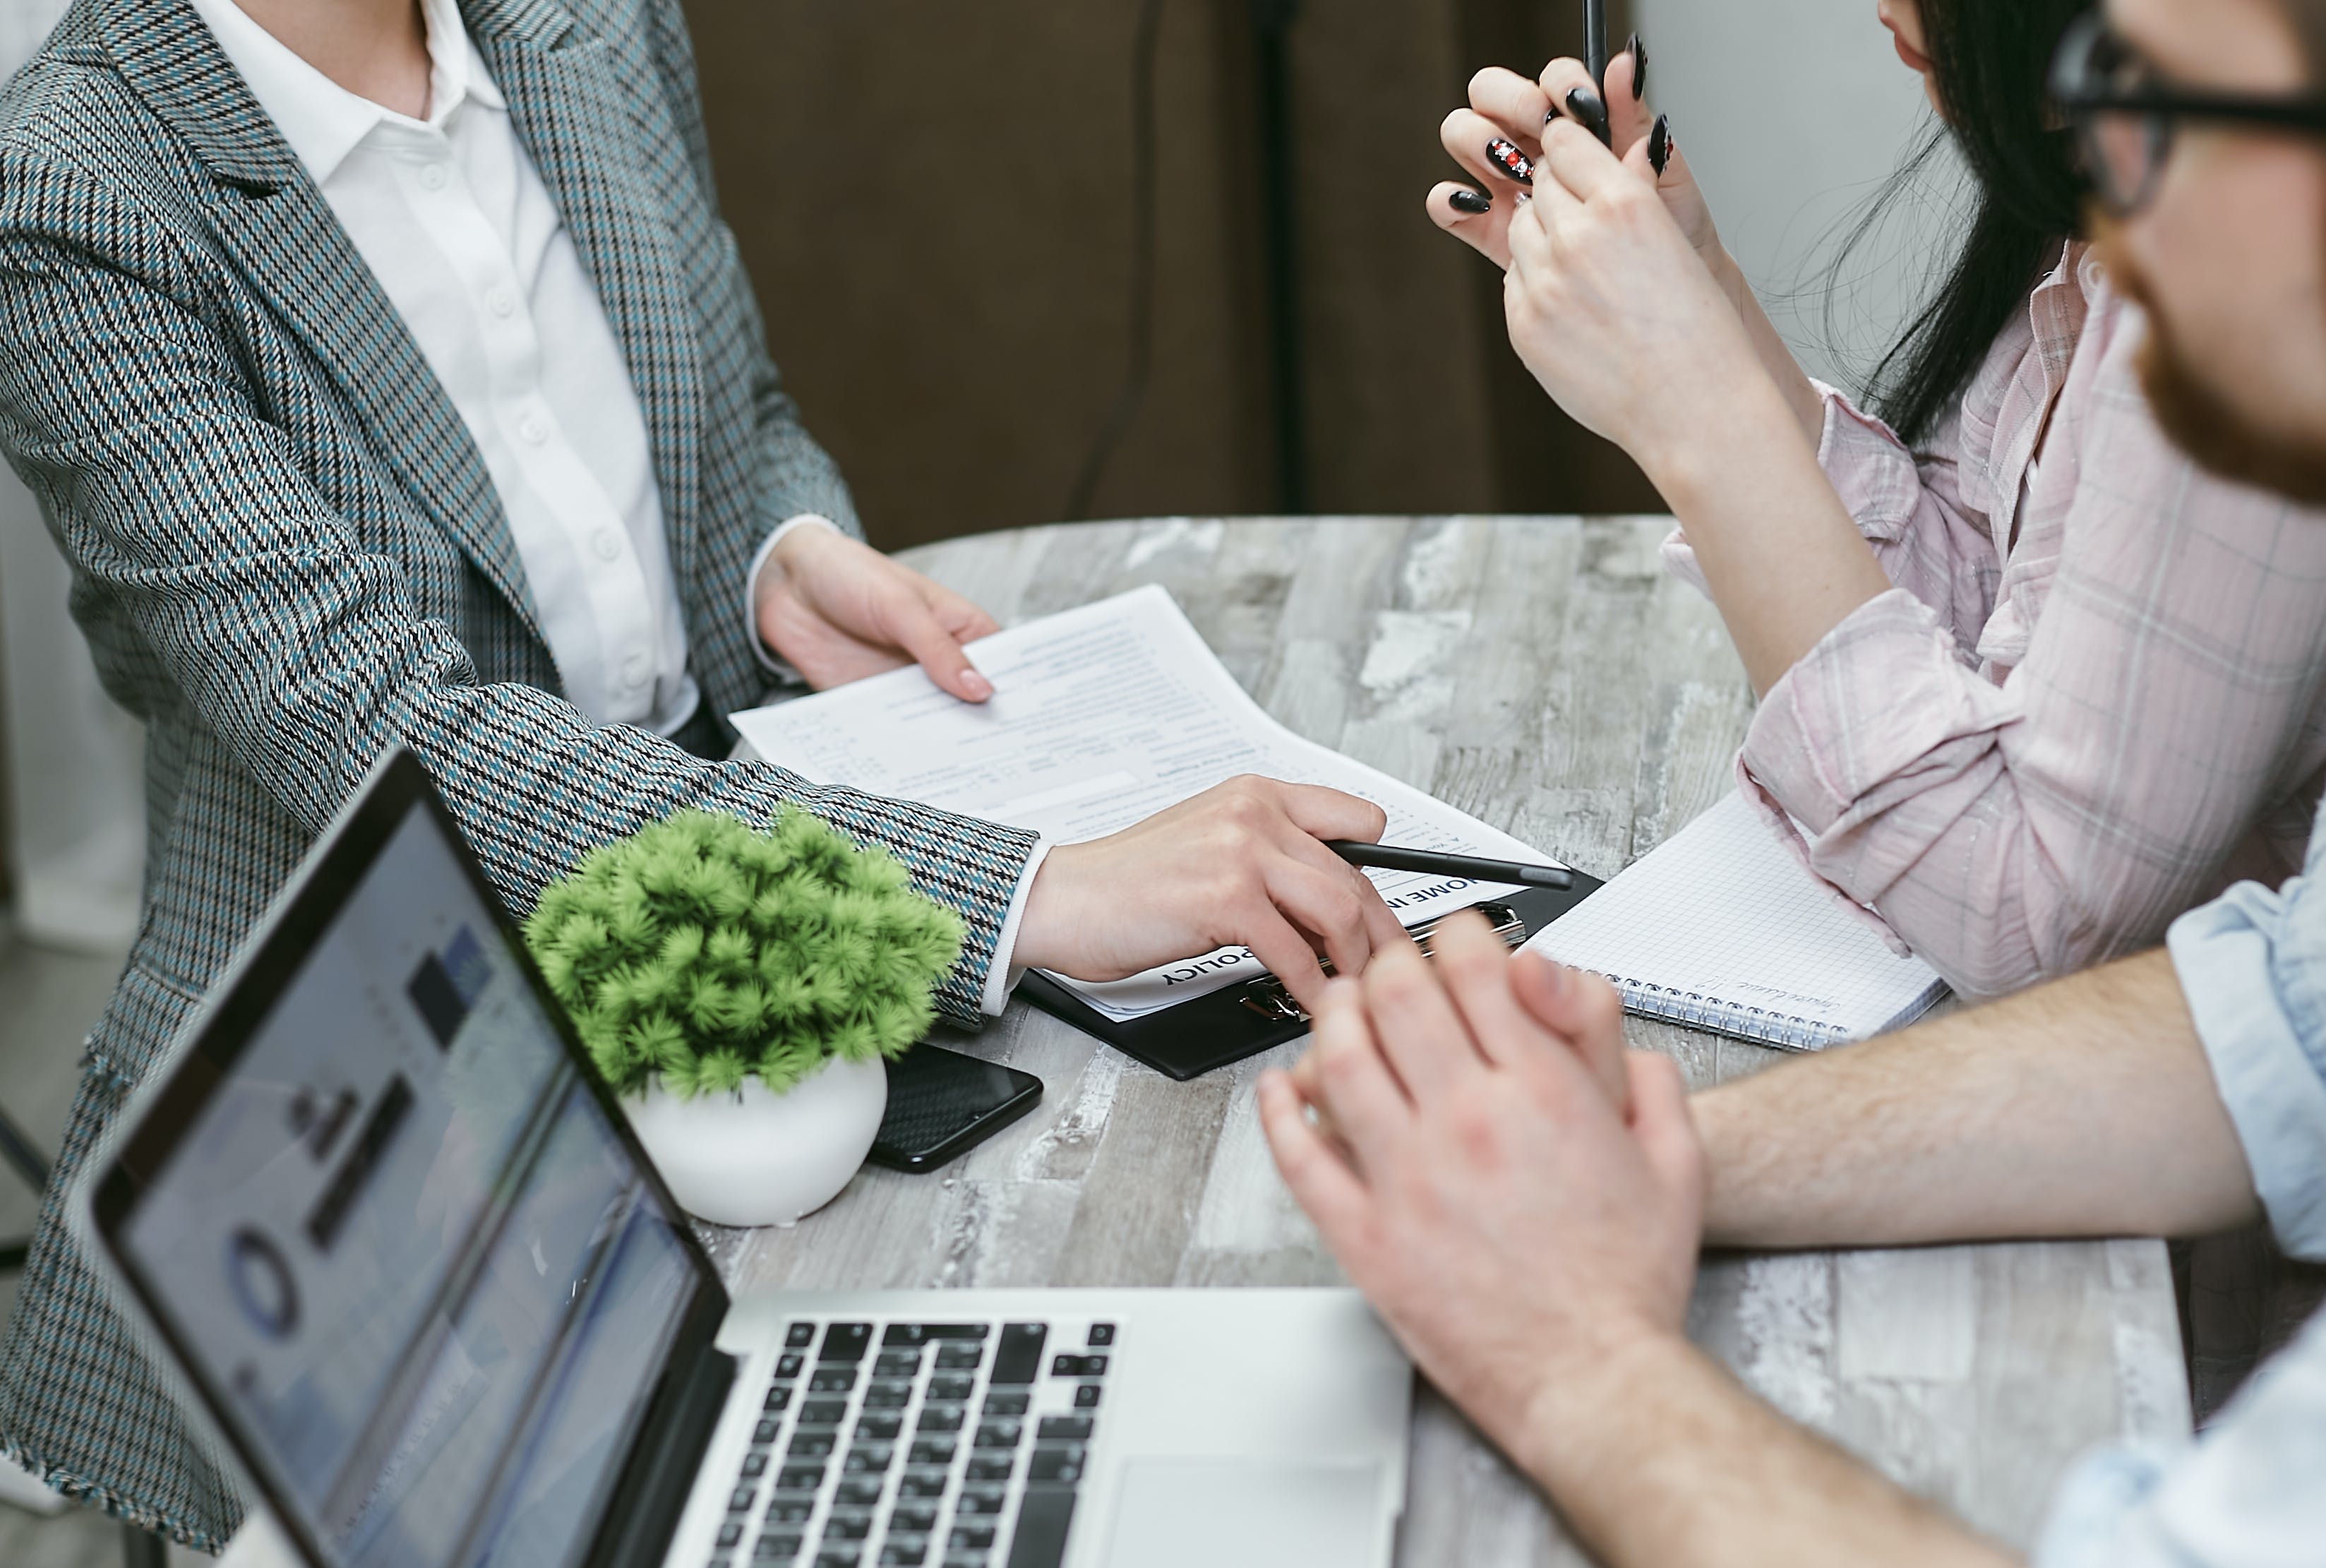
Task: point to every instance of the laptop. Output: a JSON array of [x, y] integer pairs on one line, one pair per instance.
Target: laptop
[[412, 1264]]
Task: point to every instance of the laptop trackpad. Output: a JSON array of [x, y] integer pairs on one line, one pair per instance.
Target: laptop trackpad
[[1249, 1513]]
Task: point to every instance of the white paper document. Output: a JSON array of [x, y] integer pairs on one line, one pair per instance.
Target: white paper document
[[1101, 717]]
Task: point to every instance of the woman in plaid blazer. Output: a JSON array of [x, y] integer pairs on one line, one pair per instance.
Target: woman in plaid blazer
[[289, 557]]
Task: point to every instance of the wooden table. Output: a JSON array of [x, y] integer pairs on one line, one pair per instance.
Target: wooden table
[[1545, 675]]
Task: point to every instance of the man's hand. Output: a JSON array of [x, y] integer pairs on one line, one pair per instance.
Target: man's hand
[[1521, 1231], [1241, 864], [1588, 1015], [1532, 1243], [838, 611]]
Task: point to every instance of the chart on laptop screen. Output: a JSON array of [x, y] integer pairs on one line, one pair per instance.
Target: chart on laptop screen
[[401, 1238]]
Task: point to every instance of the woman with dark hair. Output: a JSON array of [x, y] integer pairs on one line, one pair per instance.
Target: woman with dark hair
[[2033, 683]]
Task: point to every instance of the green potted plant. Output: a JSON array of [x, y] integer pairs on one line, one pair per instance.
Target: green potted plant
[[740, 990]]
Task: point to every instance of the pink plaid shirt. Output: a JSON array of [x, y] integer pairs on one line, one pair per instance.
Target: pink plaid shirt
[[2087, 704]]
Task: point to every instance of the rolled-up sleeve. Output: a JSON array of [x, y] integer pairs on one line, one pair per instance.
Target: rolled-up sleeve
[[2252, 966], [2018, 821], [1871, 746], [2250, 1491]]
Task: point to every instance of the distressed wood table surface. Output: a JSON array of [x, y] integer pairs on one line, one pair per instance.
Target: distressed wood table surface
[[1545, 675]]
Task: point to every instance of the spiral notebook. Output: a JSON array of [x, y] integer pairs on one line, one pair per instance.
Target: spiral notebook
[[1717, 928]]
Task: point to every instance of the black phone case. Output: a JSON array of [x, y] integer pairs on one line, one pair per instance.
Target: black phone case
[[920, 1132]]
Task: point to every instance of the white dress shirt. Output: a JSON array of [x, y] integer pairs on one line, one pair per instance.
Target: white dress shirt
[[453, 219]]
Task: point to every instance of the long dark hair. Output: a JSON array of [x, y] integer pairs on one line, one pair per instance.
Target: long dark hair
[[1992, 58]]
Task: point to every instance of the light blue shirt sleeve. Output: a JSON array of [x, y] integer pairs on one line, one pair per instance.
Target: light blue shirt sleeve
[[2251, 1491], [2252, 966]]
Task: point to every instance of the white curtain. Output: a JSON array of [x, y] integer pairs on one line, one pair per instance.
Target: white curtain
[[77, 845]]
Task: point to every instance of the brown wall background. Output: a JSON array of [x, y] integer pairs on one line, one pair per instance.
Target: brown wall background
[[935, 203]]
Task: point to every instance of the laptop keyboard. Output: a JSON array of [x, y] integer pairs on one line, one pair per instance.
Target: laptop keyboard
[[918, 1445]]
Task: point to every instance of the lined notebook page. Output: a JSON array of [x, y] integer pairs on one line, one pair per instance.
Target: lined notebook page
[[1719, 928]]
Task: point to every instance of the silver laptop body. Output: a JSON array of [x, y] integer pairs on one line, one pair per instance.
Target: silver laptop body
[[409, 1260]]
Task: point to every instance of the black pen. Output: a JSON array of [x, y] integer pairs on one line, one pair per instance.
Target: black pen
[[1594, 63], [1390, 857]]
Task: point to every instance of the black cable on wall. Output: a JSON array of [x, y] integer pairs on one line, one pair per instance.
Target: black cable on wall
[[1145, 200], [1271, 27]]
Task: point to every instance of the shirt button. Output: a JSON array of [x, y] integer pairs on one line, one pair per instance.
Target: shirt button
[[534, 432], [609, 546], [501, 303], [634, 669], [431, 177]]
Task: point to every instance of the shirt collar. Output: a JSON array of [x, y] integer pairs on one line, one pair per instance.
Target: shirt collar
[[322, 121], [2058, 310]]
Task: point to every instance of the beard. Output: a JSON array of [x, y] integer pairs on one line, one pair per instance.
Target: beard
[[2199, 420]]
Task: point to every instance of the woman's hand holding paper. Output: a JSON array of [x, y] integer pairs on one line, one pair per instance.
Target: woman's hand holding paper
[[838, 611]]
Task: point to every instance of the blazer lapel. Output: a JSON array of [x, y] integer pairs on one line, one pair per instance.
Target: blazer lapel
[[566, 101], [290, 249]]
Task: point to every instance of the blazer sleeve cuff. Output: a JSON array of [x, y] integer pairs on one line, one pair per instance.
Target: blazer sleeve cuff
[[1002, 978]]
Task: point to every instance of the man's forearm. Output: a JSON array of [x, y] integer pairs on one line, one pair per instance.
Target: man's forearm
[[2085, 1107], [1657, 1456]]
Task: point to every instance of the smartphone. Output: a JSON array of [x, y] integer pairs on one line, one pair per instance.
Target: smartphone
[[943, 1104]]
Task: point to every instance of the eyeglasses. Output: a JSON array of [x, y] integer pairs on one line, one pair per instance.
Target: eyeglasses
[[2125, 122]]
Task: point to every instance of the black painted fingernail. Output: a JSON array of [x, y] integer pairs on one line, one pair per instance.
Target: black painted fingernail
[[1505, 157], [1639, 53], [1660, 145], [1587, 106], [1470, 201]]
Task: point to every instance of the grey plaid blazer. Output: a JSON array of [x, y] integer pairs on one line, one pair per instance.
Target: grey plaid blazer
[[288, 556]]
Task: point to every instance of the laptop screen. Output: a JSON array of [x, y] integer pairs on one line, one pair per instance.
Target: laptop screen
[[399, 1241]]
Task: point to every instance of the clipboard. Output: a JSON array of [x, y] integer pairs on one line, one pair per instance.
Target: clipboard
[[1210, 1032]]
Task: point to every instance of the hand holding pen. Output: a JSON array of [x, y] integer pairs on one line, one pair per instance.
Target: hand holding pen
[[1595, 57], [1497, 138]]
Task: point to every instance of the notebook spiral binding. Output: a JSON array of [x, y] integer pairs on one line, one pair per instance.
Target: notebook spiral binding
[[1758, 1024]]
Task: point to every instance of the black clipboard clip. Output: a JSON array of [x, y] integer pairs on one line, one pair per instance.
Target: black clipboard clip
[[1241, 1021], [1268, 997]]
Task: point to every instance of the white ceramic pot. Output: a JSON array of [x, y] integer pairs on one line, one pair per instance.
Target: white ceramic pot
[[756, 1158]]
